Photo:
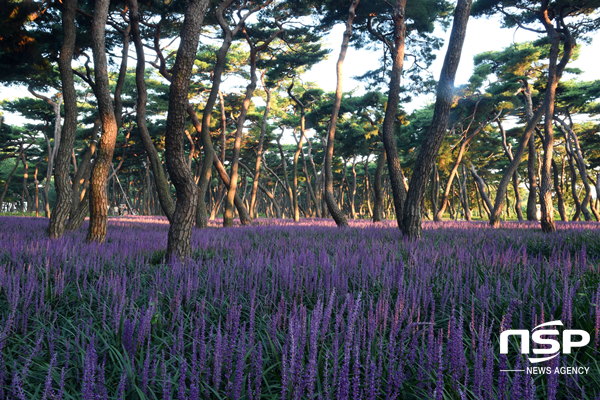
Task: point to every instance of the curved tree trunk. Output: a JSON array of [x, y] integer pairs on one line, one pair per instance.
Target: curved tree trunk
[[558, 187], [180, 230], [352, 189], [532, 156], [270, 195], [77, 217], [297, 152], [25, 190], [554, 73], [532, 197], [435, 190], [287, 186], [576, 150], [481, 187], [547, 220], [98, 194], [309, 187], [259, 150], [82, 175], [295, 175], [454, 171], [204, 128], [160, 178], [231, 192], [62, 181], [391, 111], [576, 203], [515, 178], [378, 187], [411, 221], [336, 213], [465, 195], [51, 150]]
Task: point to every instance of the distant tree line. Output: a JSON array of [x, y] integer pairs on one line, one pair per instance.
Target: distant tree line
[[118, 116]]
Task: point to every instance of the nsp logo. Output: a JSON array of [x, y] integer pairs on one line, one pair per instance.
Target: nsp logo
[[551, 346]]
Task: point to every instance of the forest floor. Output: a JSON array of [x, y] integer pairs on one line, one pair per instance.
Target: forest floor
[[282, 310]]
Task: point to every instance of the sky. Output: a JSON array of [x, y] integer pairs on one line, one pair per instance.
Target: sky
[[483, 34]]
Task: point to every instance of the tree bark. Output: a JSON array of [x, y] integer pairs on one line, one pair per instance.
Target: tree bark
[[25, 177], [62, 181], [576, 150], [435, 190], [378, 187], [204, 128], [160, 178], [389, 139], [83, 172], [259, 150], [559, 192], [531, 169], [180, 230], [300, 142], [254, 50], [51, 150], [576, 203], [554, 74], [454, 172], [411, 221], [464, 194], [270, 195], [287, 186], [515, 178], [481, 186], [352, 189], [244, 216], [77, 218], [336, 213], [98, 193]]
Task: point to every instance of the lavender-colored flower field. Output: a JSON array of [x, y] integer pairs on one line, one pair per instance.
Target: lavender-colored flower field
[[283, 310]]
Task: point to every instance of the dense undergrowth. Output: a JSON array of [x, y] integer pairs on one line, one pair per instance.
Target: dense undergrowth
[[280, 310]]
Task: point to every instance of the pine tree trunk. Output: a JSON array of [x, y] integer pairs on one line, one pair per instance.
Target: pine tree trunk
[[259, 150], [531, 169], [180, 230], [435, 190], [160, 178], [515, 177], [232, 189], [37, 194], [554, 73], [411, 220], [98, 193], [62, 181], [336, 213], [378, 187], [297, 152], [481, 186], [353, 189], [465, 196], [391, 111], [82, 175], [547, 220], [559, 193], [25, 178], [532, 197], [77, 217], [580, 162]]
